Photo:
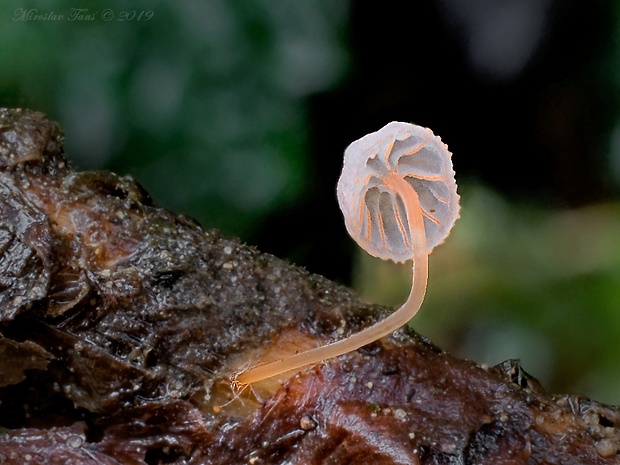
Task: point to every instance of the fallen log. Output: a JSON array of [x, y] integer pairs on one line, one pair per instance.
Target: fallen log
[[122, 325]]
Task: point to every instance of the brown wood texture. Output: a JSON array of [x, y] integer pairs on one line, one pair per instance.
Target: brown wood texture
[[122, 323]]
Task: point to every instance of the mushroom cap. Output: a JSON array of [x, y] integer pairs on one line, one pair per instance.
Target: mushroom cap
[[375, 216]]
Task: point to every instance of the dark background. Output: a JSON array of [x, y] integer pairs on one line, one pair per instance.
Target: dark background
[[534, 128]]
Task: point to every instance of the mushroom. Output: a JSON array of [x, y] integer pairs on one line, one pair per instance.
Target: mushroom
[[397, 193]]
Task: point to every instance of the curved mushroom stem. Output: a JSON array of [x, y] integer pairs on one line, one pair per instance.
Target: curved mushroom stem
[[380, 329]]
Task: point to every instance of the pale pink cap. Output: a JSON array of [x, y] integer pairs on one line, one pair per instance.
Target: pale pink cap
[[423, 160]]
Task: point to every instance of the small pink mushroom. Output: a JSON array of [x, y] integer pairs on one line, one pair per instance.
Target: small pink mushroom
[[398, 195]]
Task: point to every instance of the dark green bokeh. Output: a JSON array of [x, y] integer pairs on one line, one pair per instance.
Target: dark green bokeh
[[202, 103], [536, 284]]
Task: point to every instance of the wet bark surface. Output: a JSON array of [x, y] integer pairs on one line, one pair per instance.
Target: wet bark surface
[[121, 325]]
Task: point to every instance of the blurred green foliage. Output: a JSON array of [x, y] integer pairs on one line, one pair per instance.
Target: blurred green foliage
[[521, 282], [203, 103]]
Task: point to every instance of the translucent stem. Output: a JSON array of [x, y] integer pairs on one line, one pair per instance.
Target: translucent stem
[[380, 329]]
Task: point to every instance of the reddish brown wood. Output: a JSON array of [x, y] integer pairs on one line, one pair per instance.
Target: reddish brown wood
[[121, 324]]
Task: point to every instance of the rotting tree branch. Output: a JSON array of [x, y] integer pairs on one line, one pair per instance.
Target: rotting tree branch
[[122, 323]]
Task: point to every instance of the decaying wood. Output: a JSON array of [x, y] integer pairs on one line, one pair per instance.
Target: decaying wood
[[122, 323]]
